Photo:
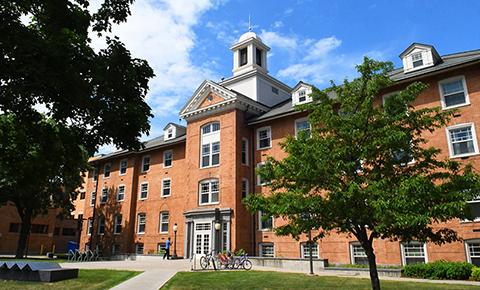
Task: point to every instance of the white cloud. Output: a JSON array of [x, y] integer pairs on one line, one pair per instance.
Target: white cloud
[[275, 39], [278, 24], [322, 47]]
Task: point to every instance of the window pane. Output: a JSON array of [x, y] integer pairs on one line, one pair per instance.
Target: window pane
[[206, 129], [455, 99], [452, 87], [215, 127], [461, 134]]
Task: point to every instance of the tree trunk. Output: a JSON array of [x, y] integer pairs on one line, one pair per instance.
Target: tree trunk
[[372, 264], [26, 217]]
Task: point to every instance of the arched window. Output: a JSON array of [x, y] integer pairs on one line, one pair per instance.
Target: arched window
[[210, 145], [209, 192]]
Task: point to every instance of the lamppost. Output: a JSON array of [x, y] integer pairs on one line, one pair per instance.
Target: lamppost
[[175, 228], [218, 226]]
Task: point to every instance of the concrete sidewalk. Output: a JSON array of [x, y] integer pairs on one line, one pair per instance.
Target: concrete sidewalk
[[155, 273]]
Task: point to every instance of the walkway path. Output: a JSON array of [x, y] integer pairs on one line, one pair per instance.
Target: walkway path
[[156, 272]]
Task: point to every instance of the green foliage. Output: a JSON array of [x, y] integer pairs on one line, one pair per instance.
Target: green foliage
[[475, 274], [439, 270], [240, 252]]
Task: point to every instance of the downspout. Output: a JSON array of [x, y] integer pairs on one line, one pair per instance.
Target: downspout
[[94, 207], [254, 184]]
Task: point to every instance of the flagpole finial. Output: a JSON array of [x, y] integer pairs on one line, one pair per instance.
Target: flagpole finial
[[249, 23]]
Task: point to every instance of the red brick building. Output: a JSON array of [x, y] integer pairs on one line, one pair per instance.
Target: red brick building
[[195, 177]]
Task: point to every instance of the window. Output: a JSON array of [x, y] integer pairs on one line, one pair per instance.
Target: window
[[302, 125], [166, 187], [265, 223], [417, 59], [264, 138], [275, 90], [121, 193], [161, 247], [104, 196], [209, 191], [92, 198], [115, 249], [245, 188], [39, 229], [82, 195], [95, 174], [243, 56], [164, 222], [413, 252], [106, 170], [101, 225], [139, 248], [453, 92], [14, 228], [145, 163], [123, 166], [117, 228], [210, 145], [302, 96], [69, 232], [167, 158], [170, 133], [260, 181], [475, 209], [305, 250], [462, 140], [258, 56], [358, 254], [244, 151], [144, 190], [267, 250], [473, 252], [142, 221], [90, 227]]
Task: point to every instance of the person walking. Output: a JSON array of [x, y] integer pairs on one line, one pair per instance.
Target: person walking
[[167, 249]]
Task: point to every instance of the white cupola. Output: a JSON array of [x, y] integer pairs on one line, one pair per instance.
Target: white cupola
[[418, 56], [249, 53]]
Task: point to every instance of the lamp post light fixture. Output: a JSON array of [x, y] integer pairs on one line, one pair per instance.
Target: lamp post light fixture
[[218, 226], [175, 229]]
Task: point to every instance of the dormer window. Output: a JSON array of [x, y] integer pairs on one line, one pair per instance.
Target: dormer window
[[258, 56], [243, 56], [169, 132], [302, 96], [417, 59]]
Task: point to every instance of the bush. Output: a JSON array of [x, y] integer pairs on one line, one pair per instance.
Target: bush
[[476, 273], [439, 270]]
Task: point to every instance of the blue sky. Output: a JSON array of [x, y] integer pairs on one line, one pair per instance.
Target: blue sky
[[187, 41]]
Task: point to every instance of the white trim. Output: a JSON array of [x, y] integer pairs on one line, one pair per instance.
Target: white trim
[[171, 161], [209, 181], [106, 195], [138, 223], [160, 222], [101, 218], [302, 120], [124, 191], [404, 258], [93, 198], [467, 250], [210, 138], [474, 137], [260, 164], [352, 252], [260, 223], [303, 248], [143, 163], [140, 191], [269, 136], [260, 249], [164, 179], [120, 167], [247, 143], [115, 224], [476, 219], [109, 170], [465, 91], [247, 187]]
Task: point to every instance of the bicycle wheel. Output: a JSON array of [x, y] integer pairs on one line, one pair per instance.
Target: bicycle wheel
[[247, 265], [204, 262], [236, 263]]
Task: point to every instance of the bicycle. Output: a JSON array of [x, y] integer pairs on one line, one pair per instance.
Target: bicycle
[[243, 262], [206, 260]]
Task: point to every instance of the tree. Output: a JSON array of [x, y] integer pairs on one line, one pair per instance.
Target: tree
[[53, 81], [355, 174]]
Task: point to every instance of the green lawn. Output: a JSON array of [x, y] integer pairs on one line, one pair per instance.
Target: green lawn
[[87, 279], [276, 280], [3, 259]]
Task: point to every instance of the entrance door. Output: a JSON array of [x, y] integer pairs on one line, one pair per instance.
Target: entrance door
[[203, 234]]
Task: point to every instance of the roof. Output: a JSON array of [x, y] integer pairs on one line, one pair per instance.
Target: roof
[[281, 109], [411, 46]]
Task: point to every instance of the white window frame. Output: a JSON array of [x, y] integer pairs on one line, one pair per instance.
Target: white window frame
[[352, 245], [137, 246], [304, 249], [90, 226], [163, 187], [118, 192], [162, 222], [101, 225], [269, 134], [474, 137], [209, 181], [93, 198], [245, 192], [465, 91], [467, 250], [116, 224], [164, 158], [143, 163], [123, 161], [260, 249], [260, 228], [404, 258], [144, 223], [140, 191], [302, 120], [413, 60], [109, 170], [244, 140], [209, 139], [259, 179], [104, 190], [476, 219]]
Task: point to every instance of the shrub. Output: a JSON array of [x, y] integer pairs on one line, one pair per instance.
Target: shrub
[[439, 270], [476, 273]]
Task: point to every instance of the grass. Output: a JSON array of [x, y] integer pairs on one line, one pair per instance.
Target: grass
[[87, 279], [239, 280], [8, 259]]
